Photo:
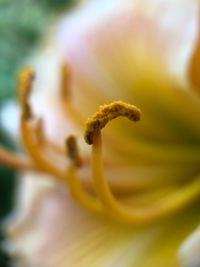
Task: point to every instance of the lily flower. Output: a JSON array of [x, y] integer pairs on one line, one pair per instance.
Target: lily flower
[[109, 121]]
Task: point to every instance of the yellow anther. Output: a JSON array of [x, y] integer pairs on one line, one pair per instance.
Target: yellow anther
[[107, 113], [25, 79], [72, 151]]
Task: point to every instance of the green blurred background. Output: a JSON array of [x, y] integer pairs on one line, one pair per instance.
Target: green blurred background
[[22, 23]]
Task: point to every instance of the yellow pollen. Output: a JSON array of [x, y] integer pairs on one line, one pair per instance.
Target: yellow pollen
[[107, 113]]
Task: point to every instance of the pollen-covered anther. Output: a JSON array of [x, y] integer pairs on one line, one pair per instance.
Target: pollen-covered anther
[[25, 80], [107, 113], [72, 151]]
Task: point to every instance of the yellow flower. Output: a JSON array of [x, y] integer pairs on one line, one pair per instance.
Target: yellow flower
[[135, 203]]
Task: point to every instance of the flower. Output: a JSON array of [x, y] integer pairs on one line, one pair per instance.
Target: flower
[[143, 201]]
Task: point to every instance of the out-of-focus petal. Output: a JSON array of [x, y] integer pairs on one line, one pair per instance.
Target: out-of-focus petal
[[59, 233], [189, 252], [28, 197], [46, 98], [103, 42]]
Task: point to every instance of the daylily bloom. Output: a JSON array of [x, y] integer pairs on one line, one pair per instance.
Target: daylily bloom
[[137, 203]]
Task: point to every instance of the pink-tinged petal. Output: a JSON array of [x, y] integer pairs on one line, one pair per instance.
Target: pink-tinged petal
[[59, 233], [46, 98], [27, 204], [104, 41]]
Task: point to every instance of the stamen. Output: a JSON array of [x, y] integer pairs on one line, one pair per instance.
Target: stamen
[[75, 186], [73, 152], [35, 149], [137, 215], [33, 146], [68, 177], [24, 88], [107, 113], [106, 202], [117, 210], [86, 200], [25, 79]]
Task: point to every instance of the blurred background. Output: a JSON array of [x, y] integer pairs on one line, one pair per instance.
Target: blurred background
[[22, 23]]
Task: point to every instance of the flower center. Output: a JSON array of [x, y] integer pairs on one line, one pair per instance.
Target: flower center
[[102, 200]]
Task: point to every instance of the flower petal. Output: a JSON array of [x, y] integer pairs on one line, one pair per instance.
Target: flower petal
[[46, 98], [61, 234], [190, 250], [103, 42]]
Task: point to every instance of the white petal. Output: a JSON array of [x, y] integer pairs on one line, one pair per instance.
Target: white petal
[[189, 252], [59, 233], [101, 38]]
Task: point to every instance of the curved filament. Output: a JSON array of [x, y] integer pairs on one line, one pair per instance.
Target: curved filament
[[127, 214], [119, 211]]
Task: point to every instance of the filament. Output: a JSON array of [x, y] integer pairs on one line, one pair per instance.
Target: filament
[[137, 215], [34, 141], [15, 161], [86, 200], [35, 151], [74, 183], [68, 177]]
